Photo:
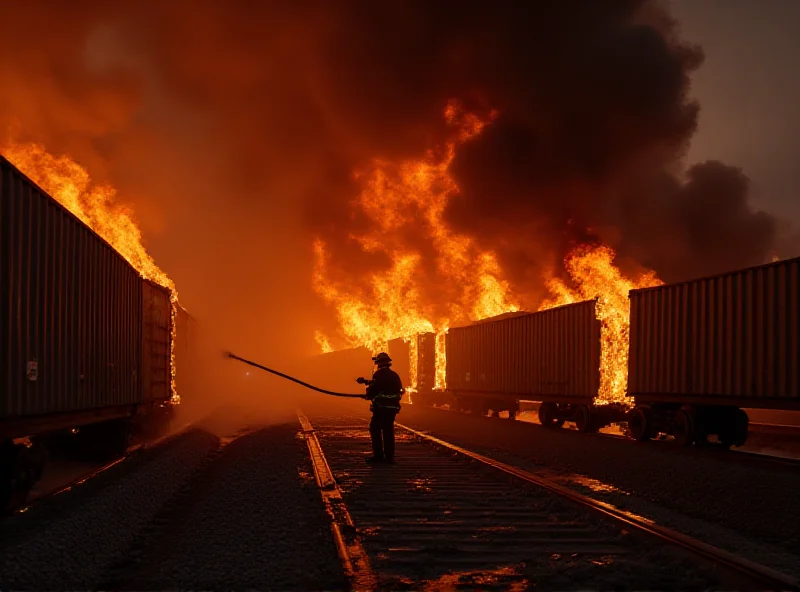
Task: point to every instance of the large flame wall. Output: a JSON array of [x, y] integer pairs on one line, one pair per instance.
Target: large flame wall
[[459, 282]]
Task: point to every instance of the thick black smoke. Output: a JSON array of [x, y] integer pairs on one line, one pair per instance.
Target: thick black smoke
[[595, 115]]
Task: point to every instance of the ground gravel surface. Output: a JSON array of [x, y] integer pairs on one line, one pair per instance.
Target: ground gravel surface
[[69, 542], [253, 519], [743, 507]]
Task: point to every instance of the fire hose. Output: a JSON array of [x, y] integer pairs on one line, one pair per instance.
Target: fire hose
[[293, 379]]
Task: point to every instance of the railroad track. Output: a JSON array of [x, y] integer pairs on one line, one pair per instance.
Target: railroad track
[[444, 517]]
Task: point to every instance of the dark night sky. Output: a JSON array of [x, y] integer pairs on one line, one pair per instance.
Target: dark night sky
[[749, 90]]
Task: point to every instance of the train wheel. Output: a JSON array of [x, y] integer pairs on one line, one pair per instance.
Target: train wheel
[[742, 427], [584, 420], [20, 468], [543, 413], [734, 429], [641, 424], [548, 415], [119, 438], [7, 467], [158, 422], [684, 428], [107, 440]]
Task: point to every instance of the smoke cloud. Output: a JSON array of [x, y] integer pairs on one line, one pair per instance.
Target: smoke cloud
[[233, 129]]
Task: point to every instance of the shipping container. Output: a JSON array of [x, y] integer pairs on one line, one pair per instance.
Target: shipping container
[[426, 362], [400, 351], [338, 370], [70, 339], [414, 360], [187, 360], [426, 391], [701, 350], [85, 342], [551, 355], [156, 342]]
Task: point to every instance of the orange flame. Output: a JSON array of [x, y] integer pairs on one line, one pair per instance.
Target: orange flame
[[414, 194], [323, 342], [413, 366], [440, 379], [595, 276], [400, 197], [96, 206]]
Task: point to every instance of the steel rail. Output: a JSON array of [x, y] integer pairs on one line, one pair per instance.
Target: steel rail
[[354, 558], [762, 576]]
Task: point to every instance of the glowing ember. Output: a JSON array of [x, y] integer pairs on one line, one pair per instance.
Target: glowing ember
[[95, 205], [595, 276], [410, 197]]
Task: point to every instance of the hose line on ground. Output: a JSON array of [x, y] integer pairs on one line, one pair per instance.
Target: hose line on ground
[[293, 379]]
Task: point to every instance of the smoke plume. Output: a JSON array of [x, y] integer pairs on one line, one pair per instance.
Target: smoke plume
[[234, 130]]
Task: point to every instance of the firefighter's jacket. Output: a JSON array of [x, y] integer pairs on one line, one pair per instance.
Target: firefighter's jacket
[[385, 390]]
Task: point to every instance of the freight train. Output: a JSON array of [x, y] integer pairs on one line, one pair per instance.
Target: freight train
[[699, 354], [85, 342]]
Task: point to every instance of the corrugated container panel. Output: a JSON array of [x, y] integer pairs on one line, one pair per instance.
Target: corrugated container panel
[[156, 339], [71, 309], [426, 361], [338, 370], [400, 352], [186, 353], [552, 352], [728, 336]]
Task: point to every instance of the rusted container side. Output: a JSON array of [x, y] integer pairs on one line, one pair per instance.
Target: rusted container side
[[338, 370], [552, 354], [426, 361], [727, 339], [400, 352], [187, 341], [71, 306], [156, 342]]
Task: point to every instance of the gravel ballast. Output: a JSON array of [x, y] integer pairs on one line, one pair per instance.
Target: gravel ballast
[[253, 519], [200, 512], [71, 545]]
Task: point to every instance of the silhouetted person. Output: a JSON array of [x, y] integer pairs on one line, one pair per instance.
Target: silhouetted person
[[384, 391]]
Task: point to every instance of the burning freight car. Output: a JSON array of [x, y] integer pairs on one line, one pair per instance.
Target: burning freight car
[[699, 353], [90, 347]]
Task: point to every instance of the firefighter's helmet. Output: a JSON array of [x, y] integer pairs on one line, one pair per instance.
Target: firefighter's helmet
[[382, 359]]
